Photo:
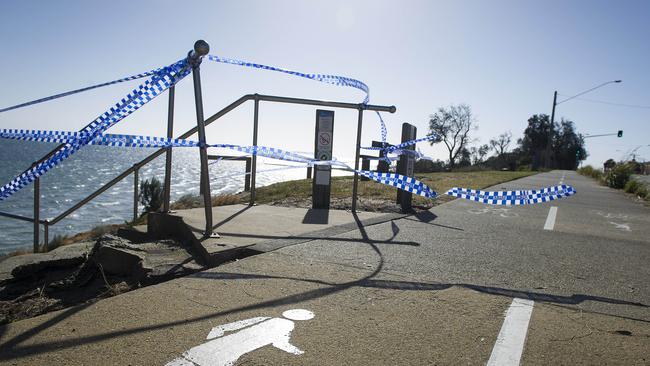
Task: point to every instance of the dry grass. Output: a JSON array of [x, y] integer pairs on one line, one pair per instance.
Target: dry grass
[[342, 186]]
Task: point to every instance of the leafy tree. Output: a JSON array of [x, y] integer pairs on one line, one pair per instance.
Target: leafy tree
[[479, 153], [536, 138], [567, 146], [464, 158], [500, 143], [453, 124]]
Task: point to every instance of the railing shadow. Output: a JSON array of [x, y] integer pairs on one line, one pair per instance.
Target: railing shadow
[[11, 349]]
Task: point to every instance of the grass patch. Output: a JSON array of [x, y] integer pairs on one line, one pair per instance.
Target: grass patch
[[342, 186]]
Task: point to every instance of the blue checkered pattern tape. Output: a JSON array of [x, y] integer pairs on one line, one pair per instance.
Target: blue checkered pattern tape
[[65, 94], [399, 181], [159, 82], [525, 197], [324, 78]]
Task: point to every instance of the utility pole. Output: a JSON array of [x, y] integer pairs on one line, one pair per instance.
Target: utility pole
[[549, 141]]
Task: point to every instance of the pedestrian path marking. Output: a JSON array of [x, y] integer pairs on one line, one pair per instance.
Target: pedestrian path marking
[[550, 219], [255, 333], [509, 346]]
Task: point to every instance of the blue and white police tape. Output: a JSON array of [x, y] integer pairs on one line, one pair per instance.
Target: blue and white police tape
[[71, 92], [324, 78], [524, 197], [159, 82]]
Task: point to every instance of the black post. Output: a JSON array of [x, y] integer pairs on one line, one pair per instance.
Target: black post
[[201, 48], [405, 166], [136, 181], [365, 165], [355, 183], [323, 146], [168, 153], [247, 177], [256, 113], [37, 211], [550, 133], [382, 165]]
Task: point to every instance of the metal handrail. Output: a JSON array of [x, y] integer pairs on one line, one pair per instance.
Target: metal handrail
[[135, 168]]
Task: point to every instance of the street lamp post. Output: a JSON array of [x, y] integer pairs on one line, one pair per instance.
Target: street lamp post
[[555, 103]]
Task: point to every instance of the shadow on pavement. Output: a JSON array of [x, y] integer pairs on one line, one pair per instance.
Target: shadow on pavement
[[315, 216], [11, 349]]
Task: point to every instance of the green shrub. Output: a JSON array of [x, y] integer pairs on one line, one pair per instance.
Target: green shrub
[[151, 195], [618, 176], [631, 186], [586, 170], [589, 171], [642, 191]]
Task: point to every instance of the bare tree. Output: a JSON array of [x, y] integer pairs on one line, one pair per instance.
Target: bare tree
[[479, 153], [500, 143], [453, 125]]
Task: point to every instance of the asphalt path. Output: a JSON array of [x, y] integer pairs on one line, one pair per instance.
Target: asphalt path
[[564, 282], [596, 256]]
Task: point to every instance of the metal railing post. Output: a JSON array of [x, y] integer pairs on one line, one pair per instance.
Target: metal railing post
[[46, 236], [247, 177], [256, 113], [136, 181], [356, 159], [37, 209], [168, 153], [201, 48]]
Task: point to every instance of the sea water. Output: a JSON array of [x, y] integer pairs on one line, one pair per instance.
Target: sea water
[[92, 167]]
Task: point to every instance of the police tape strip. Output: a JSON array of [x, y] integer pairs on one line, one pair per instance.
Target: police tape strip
[[324, 78], [165, 77], [159, 82], [523, 197]]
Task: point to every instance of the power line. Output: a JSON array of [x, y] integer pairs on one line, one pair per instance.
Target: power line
[[613, 103]]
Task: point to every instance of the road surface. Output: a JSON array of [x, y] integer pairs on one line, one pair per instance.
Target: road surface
[[464, 283]]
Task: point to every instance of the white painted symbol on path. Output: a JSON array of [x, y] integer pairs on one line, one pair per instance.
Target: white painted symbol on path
[[255, 333], [503, 212], [623, 227]]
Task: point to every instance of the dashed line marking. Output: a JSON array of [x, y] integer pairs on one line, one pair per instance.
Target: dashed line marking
[[509, 346], [550, 219]]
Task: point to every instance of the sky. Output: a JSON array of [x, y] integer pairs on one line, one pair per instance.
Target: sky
[[503, 58]]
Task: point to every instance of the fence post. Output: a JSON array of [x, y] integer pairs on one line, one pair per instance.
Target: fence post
[[356, 159], [201, 48], [37, 206], [247, 177], [168, 153], [405, 166], [46, 236], [136, 191], [253, 170]]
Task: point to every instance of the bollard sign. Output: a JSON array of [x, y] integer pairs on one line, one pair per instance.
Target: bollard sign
[[323, 152], [406, 166]]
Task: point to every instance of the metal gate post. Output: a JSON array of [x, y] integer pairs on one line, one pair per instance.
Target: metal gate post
[[356, 160], [256, 113], [136, 192], [37, 209], [201, 48], [168, 153]]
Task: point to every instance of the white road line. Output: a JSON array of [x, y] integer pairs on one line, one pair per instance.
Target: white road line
[[509, 346], [550, 219], [562, 179]]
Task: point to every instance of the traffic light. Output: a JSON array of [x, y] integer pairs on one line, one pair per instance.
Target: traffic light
[[620, 133]]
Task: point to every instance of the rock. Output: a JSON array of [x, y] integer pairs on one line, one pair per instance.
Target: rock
[[26, 265], [149, 262]]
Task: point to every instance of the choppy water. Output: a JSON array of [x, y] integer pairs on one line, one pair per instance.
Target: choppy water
[[93, 166]]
